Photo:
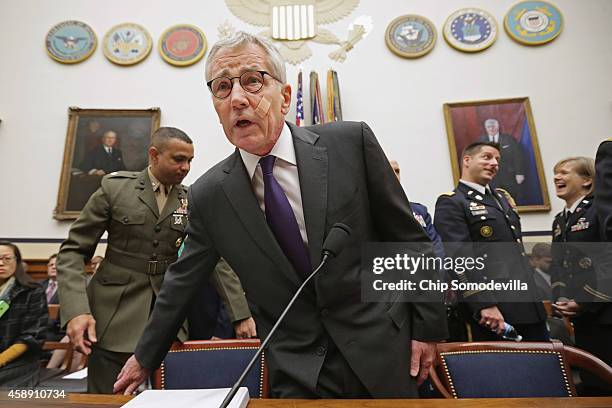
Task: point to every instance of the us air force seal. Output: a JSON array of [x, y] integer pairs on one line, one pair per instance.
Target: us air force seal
[[70, 42], [533, 22], [411, 36], [470, 30], [127, 44]]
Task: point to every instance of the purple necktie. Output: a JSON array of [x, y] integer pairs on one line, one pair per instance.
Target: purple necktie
[[281, 219]]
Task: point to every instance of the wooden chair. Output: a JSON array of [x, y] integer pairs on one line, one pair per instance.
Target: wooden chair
[[511, 369], [212, 364], [53, 311], [66, 366], [51, 378], [549, 312]]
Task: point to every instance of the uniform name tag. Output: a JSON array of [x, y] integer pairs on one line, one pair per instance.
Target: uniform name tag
[[480, 212]]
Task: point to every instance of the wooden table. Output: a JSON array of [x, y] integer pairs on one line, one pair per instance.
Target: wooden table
[[114, 401]]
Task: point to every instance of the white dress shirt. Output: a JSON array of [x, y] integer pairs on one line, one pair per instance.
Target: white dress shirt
[[573, 207], [475, 186], [285, 171]]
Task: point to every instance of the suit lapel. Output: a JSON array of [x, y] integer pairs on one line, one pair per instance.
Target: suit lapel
[[239, 192], [312, 168], [146, 194]]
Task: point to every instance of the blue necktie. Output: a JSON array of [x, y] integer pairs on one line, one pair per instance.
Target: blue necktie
[[282, 221]]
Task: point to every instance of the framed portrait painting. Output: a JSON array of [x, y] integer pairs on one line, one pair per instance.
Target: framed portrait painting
[[508, 122], [99, 142]]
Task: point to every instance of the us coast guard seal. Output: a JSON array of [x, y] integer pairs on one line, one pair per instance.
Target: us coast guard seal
[[533, 22]]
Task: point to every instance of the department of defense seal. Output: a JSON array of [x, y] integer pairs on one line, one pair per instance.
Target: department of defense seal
[[70, 42]]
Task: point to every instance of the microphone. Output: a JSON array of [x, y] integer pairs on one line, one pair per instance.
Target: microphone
[[334, 243]]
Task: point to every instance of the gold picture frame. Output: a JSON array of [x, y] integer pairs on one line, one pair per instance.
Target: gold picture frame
[[87, 157], [521, 171]]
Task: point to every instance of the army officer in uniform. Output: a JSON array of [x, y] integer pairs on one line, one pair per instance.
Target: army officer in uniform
[[145, 214], [473, 213], [577, 258]]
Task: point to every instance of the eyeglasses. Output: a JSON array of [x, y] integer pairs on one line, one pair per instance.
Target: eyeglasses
[[7, 259], [250, 81]]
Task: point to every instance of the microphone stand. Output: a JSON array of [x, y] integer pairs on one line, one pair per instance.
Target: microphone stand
[[234, 390]]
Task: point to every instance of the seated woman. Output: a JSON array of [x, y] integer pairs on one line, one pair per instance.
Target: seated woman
[[23, 317]]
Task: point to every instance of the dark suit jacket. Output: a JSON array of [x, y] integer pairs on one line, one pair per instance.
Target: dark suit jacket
[[100, 160], [483, 229], [603, 189], [512, 162], [55, 297], [53, 330], [344, 177]]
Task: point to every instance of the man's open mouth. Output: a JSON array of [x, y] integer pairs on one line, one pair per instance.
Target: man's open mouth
[[243, 123]]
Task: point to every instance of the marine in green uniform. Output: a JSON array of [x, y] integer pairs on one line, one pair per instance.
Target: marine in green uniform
[[145, 215]]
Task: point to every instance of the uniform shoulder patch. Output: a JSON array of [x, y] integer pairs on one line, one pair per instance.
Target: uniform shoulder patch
[[447, 194], [123, 174], [507, 196]]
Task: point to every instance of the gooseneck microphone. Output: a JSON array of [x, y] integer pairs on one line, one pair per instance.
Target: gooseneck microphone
[[332, 246]]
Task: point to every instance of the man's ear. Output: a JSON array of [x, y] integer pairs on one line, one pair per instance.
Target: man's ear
[[153, 154], [286, 103]]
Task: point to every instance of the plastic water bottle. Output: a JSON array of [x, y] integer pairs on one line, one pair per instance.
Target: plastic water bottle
[[510, 333]]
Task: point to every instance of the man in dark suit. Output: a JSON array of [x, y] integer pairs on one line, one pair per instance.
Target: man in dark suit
[[104, 158], [511, 173], [540, 260], [603, 188], [50, 284], [476, 221], [53, 331], [331, 344]]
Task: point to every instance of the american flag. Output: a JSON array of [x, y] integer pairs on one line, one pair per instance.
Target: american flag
[[299, 107]]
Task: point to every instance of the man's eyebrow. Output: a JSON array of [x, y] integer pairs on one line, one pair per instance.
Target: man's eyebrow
[[225, 72]]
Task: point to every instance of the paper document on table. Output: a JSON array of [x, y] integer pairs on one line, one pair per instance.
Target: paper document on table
[[188, 398], [77, 375]]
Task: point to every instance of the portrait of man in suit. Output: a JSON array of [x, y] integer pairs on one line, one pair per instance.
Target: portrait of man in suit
[[510, 124], [105, 158], [101, 142], [511, 174], [267, 209]]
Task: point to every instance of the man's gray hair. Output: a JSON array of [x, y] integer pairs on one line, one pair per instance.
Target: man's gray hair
[[491, 122], [241, 39]]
